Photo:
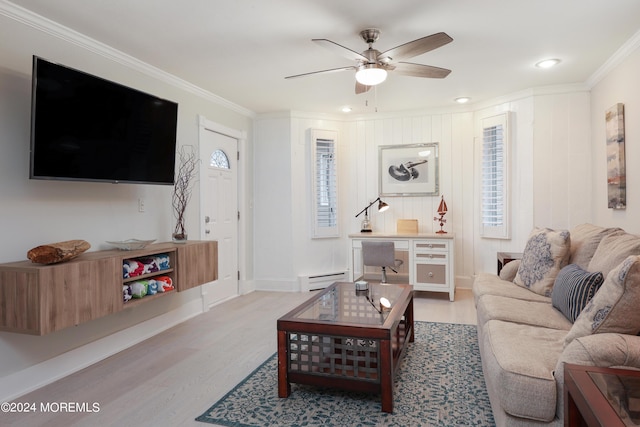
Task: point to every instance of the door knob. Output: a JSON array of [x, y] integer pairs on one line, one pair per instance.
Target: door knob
[[207, 220]]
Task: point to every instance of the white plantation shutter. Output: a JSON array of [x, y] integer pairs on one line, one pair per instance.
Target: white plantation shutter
[[492, 176], [495, 178], [324, 177]]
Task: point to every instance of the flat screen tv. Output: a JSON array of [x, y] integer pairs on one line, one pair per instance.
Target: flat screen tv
[[85, 128]]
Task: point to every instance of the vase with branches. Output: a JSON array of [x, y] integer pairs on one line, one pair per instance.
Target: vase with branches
[[182, 189]]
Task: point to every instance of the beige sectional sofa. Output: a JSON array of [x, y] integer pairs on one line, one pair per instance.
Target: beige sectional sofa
[[553, 307]]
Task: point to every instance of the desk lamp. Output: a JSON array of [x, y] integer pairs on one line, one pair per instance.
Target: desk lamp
[[366, 224]]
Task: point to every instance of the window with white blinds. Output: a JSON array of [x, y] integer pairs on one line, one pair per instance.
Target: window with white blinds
[[495, 177], [324, 177]]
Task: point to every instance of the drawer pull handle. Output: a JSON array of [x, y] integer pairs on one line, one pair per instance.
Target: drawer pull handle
[[430, 274], [431, 246]]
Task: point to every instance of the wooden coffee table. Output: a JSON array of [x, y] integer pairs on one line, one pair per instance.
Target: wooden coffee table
[[601, 397], [339, 339]]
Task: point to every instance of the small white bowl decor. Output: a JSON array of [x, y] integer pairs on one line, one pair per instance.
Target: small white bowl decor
[[131, 244]]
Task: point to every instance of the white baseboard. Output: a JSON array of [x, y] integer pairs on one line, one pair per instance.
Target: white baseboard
[[464, 282], [20, 383], [220, 301], [314, 282]]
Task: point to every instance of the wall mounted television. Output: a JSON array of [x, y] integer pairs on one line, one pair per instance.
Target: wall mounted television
[[85, 128]]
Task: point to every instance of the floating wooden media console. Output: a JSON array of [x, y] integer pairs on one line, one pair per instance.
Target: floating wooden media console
[[40, 299]]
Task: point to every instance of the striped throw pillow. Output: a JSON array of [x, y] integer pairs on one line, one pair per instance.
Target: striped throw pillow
[[573, 289]]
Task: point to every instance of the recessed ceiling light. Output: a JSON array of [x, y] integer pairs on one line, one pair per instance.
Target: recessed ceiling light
[[548, 63], [346, 109], [463, 100]]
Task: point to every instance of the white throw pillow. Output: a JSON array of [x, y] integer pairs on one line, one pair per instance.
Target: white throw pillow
[[546, 253]]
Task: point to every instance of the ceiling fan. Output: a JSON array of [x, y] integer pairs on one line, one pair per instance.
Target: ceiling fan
[[372, 65]]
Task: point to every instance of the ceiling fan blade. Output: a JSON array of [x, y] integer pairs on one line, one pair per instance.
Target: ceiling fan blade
[[340, 50], [360, 88], [415, 48], [419, 70], [333, 70]]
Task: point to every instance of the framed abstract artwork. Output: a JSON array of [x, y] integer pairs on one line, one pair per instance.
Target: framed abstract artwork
[[409, 170], [616, 171]]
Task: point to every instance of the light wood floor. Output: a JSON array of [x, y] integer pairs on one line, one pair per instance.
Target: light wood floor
[[170, 379]]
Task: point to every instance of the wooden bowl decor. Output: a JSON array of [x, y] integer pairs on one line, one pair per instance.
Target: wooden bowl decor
[[57, 252]]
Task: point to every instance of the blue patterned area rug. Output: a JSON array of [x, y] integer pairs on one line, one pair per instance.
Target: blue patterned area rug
[[440, 383]]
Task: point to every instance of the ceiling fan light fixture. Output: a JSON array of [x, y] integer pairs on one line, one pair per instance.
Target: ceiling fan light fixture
[[370, 75]]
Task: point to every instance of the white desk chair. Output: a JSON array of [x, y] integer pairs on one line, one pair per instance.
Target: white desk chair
[[380, 254]]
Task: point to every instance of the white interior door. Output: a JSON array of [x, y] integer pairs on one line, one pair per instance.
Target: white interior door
[[219, 210]]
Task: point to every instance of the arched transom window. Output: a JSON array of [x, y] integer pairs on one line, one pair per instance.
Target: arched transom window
[[219, 160]]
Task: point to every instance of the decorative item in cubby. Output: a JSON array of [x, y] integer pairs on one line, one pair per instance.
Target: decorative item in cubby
[[442, 210]]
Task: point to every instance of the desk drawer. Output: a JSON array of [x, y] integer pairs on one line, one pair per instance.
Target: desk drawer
[[431, 273], [430, 256], [430, 246], [399, 245]]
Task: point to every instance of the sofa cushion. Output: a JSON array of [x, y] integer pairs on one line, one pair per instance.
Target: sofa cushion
[[493, 307], [585, 239], [612, 250], [490, 284], [546, 253], [509, 271], [573, 289], [614, 308], [518, 361]]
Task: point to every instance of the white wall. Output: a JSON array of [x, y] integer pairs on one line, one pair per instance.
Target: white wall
[[520, 186], [273, 205], [619, 85], [454, 134], [561, 160], [283, 248], [550, 166], [313, 256], [39, 212], [550, 157]]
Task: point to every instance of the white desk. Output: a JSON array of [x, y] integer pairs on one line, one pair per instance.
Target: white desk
[[429, 259]]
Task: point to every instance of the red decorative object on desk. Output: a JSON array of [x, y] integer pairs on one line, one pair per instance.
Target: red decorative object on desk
[[442, 210]]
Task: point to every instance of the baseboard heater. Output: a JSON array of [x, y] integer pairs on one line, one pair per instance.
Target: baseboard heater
[[320, 281]]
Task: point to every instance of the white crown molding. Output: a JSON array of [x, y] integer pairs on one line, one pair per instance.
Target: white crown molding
[[462, 109], [616, 59], [59, 31]]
